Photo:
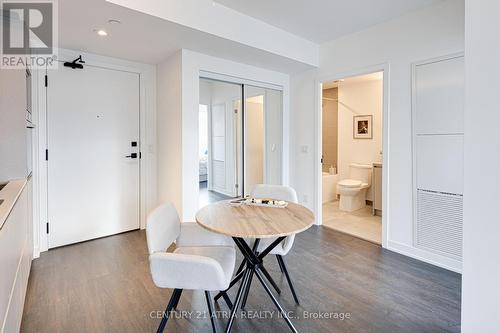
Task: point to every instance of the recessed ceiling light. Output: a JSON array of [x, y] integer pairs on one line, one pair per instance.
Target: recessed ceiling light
[[113, 21], [101, 32]]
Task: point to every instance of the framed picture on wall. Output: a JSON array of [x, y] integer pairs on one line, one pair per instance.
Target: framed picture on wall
[[363, 127]]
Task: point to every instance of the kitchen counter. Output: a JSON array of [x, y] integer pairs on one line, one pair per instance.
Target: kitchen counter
[[9, 194]]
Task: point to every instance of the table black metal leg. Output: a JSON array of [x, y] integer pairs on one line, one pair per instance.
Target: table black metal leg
[[238, 299], [233, 282], [254, 265], [270, 279], [240, 268], [275, 301], [247, 290], [239, 274]]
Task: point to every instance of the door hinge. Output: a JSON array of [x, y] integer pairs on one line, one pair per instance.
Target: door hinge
[[47, 227], [46, 80], [236, 185], [140, 155], [46, 154]]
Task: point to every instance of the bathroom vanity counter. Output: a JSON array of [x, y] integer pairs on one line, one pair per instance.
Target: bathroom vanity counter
[[377, 189], [8, 198]]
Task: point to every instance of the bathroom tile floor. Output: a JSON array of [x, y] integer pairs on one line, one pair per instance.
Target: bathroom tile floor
[[360, 223]]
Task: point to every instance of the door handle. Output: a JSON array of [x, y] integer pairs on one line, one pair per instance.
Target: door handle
[[133, 155]]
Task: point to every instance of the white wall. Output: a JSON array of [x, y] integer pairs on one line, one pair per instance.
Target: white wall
[[169, 117], [430, 32], [359, 98], [481, 269]]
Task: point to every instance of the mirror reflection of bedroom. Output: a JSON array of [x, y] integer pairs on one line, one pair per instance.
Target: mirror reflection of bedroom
[[238, 147], [218, 146]]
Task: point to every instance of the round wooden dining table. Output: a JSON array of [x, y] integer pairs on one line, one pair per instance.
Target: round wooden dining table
[[248, 221]]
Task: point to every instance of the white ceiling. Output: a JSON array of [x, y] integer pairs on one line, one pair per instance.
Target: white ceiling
[[324, 20], [147, 39], [354, 79]]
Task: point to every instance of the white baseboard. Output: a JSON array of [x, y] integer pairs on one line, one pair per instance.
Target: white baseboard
[[426, 256], [36, 252]]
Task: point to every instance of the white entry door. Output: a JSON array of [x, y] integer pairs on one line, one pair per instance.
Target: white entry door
[[93, 132]]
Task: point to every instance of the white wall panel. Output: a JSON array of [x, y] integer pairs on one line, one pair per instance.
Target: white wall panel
[[439, 92], [440, 163]]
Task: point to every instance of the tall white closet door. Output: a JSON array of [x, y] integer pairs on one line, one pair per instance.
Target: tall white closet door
[[438, 120]]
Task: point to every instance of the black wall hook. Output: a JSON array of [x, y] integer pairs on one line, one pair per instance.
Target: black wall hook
[[77, 63]]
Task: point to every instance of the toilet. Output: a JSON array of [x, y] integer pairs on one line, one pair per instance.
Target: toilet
[[352, 191]]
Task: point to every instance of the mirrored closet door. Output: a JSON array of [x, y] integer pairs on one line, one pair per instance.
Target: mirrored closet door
[[240, 144]]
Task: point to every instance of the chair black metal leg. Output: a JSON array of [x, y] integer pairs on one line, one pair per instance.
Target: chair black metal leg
[[227, 299], [247, 290], [279, 263], [211, 311], [275, 301], [170, 306], [285, 270], [223, 293], [177, 299], [238, 299], [270, 279]]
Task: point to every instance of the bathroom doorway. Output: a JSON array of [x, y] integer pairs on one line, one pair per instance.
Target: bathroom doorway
[[352, 155]]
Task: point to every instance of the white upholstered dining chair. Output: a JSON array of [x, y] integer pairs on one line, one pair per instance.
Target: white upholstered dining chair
[[202, 260], [280, 193]]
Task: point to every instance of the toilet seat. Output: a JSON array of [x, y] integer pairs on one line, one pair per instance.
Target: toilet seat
[[350, 183]]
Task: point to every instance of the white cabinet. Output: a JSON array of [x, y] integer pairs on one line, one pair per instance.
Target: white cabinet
[[13, 145], [16, 250]]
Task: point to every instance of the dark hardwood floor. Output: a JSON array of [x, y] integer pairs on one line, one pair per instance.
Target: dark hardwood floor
[[207, 197], [104, 286]]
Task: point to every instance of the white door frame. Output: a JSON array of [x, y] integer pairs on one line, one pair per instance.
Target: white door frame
[[147, 129], [318, 171]]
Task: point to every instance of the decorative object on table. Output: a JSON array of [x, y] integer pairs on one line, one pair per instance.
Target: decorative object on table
[[237, 202], [265, 202], [363, 127]]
